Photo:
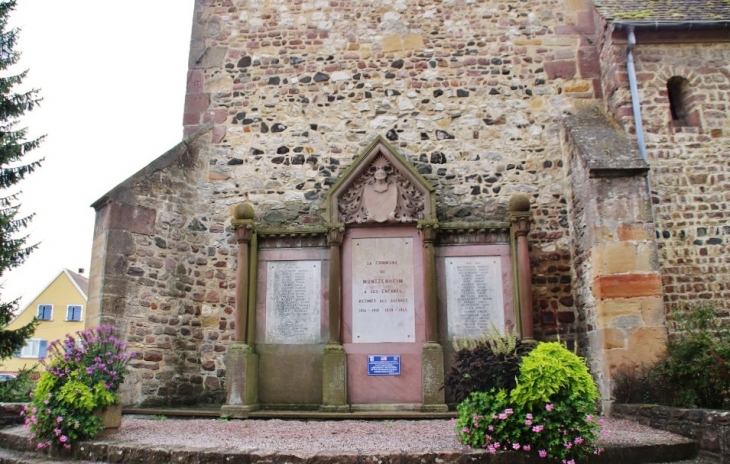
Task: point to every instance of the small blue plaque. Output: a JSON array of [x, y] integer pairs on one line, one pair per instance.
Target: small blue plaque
[[384, 364]]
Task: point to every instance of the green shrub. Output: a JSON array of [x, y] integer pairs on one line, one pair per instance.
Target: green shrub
[[551, 412], [549, 373], [694, 371], [696, 364], [492, 361], [18, 390]]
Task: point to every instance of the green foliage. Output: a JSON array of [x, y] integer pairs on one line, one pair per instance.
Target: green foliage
[[490, 361], [83, 374], [159, 417], [551, 372], [558, 424], [694, 373], [13, 146], [17, 390]]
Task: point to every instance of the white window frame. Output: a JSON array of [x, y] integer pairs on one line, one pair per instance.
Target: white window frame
[[81, 312], [32, 348], [38, 312]]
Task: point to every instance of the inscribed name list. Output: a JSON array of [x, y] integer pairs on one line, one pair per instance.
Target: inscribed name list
[[383, 307], [293, 302], [474, 295]]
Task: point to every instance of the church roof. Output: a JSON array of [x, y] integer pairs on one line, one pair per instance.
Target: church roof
[[664, 11]]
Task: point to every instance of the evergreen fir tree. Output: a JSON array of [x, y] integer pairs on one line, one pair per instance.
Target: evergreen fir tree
[[13, 146]]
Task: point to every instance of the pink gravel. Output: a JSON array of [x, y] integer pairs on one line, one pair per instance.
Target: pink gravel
[[343, 435]]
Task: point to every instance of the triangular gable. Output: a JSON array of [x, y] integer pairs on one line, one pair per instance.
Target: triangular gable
[[380, 187], [68, 275]]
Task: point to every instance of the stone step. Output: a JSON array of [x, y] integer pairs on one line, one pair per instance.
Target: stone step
[[15, 449]]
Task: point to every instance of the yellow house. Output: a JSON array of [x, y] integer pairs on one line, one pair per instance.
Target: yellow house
[[60, 307]]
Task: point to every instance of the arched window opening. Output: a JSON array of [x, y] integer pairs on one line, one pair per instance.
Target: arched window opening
[[677, 91]]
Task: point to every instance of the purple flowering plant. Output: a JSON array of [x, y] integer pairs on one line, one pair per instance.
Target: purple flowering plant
[[82, 374]]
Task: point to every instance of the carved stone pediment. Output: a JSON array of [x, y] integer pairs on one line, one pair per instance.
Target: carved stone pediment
[[381, 194], [379, 188]]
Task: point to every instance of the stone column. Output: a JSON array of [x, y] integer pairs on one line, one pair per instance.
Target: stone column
[[334, 362], [241, 360], [432, 355], [519, 207]]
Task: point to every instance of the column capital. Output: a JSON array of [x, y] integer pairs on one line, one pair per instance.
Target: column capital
[[519, 214], [520, 223], [429, 229], [244, 229], [335, 233]]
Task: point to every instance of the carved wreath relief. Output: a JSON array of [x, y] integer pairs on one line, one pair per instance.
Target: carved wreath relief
[[381, 194]]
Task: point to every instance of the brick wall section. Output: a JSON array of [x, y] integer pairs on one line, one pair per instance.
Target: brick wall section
[[619, 287], [690, 171]]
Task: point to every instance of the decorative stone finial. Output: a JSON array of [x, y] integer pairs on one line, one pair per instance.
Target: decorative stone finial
[[519, 203], [243, 211]]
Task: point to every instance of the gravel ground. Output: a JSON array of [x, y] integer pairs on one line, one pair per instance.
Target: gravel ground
[[344, 435]]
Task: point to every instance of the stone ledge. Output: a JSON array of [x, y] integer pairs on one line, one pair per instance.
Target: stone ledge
[[711, 428], [17, 451]]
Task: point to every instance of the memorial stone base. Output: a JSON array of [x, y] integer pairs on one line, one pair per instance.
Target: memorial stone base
[[432, 369], [241, 382], [334, 379]]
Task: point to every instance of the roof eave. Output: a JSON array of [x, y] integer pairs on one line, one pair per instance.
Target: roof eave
[[671, 25]]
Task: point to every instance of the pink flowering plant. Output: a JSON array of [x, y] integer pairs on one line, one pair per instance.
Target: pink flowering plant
[[551, 412], [83, 373]]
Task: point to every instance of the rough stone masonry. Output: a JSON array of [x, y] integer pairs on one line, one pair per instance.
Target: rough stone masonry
[[283, 95]]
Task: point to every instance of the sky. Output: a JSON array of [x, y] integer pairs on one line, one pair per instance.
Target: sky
[[112, 77]]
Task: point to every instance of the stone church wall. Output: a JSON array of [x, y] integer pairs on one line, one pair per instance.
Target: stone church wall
[[690, 175], [472, 93], [283, 95]]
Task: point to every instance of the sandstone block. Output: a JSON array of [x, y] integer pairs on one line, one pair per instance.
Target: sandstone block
[[622, 257], [653, 311], [577, 86], [588, 62], [197, 102], [614, 338], [627, 285], [560, 69], [635, 232], [394, 43], [645, 346]]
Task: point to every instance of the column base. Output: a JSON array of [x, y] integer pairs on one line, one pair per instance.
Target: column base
[[242, 379], [432, 378], [235, 411], [334, 378]]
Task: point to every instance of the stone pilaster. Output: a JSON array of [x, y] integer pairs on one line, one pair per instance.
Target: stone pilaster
[[520, 217], [432, 356], [429, 231], [241, 361], [619, 285], [334, 363]]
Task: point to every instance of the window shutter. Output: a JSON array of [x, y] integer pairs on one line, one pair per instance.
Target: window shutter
[[42, 349]]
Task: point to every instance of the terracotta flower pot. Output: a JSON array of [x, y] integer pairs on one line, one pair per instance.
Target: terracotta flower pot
[[111, 416]]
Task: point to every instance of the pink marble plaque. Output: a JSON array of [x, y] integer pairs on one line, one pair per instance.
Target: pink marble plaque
[[383, 290]]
